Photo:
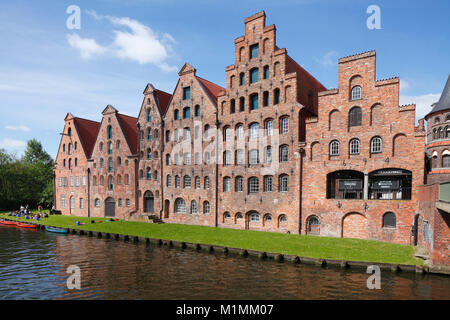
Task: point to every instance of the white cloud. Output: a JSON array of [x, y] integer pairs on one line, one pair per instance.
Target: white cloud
[[423, 103], [88, 47], [329, 59], [18, 128], [404, 85], [138, 43], [12, 144]]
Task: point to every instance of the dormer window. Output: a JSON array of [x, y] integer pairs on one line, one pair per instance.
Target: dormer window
[[356, 93], [254, 51], [186, 93]]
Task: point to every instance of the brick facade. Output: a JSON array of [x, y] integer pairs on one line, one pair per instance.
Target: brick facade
[[329, 208], [256, 155]]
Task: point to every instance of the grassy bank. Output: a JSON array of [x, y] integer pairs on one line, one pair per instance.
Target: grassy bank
[[300, 245]]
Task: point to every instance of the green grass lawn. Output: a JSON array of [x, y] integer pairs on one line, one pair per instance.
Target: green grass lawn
[[271, 242]]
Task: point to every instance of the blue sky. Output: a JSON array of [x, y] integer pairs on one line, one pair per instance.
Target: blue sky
[[47, 70]]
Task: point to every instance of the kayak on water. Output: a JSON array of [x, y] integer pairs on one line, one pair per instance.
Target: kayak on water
[[26, 225], [8, 223], [56, 230]]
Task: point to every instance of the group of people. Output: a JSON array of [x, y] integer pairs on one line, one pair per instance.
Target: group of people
[[26, 212]]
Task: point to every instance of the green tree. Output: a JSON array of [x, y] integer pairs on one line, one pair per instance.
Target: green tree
[[35, 153]]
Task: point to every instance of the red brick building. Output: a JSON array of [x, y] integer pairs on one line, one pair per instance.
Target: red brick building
[[190, 168], [432, 221], [71, 175], [261, 118], [151, 147], [274, 151], [113, 167], [364, 158]]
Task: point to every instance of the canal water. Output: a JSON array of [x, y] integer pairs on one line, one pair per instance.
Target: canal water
[[33, 265]]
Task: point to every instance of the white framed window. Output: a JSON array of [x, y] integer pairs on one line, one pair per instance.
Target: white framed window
[[83, 181], [193, 206], [227, 184], [284, 183], [254, 217], [268, 184], [180, 206], [254, 131], [253, 185], [376, 145], [127, 202], [354, 147], [269, 128], [186, 181], [239, 187], [81, 203], [206, 183], [197, 158], [240, 132], [77, 181], [240, 158], [284, 125], [187, 158], [169, 181], [97, 203], [71, 181], [356, 93], [197, 182], [284, 153], [60, 182], [119, 202], [206, 207], [186, 133], [63, 201], [334, 148], [268, 155], [177, 181], [253, 156]]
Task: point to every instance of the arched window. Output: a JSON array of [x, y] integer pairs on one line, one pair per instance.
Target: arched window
[[149, 174], [284, 183], [276, 96], [227, 158], [180, 206], [94, 180], [240, 132], [176, 114], [437, 120], [193, 206], [334, 148], [232, 106], [127, 179], [268, 183], [354, 146], [149, 134], [206, 183], [254, 101], [265, 98], [284, 125], [226, 215], [97, 203], [206, 207], [355, 117], [313, 225], [254, 217], [109, 132], [389, 220], [169, 180], [177, 181], [186, 113], [253, 75], [197, 182], [241, 104], [268, 217], [227, 133], [186, 181], [197, 110], [119, 161], [227, 184], [241, 79], [356, 93], [239, 184], [253, 185], [268, 155], [269, 127], [266, 72], [119, 179], [110, 183], [446, 161], [253, 156], [207, 131], [240, 157], [254, 131], [101, 146], [284, 153], [110, 164], [149, 154], [376, 145], [69, 132], [70, 163], [149, 115]]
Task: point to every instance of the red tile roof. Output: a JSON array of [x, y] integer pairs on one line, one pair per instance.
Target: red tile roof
[[87, 131], [129, 128], [212, 89], [163, 99]]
